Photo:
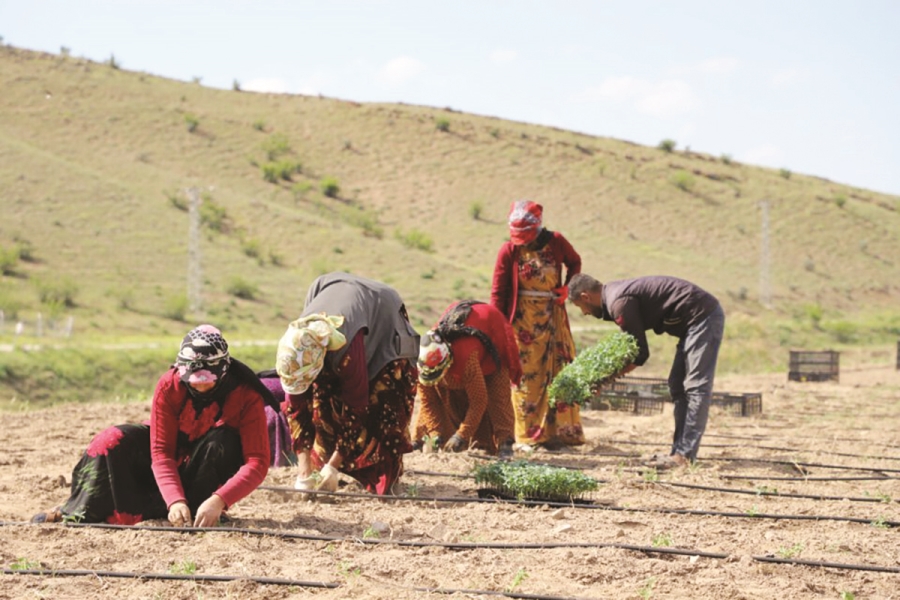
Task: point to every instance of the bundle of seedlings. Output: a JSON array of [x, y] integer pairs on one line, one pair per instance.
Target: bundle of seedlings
[[525, 481], [576, 382]]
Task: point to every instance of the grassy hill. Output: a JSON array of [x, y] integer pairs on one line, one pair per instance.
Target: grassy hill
[[95, 161]]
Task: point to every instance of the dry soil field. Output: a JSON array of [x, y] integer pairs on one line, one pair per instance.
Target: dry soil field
[[799, 501]]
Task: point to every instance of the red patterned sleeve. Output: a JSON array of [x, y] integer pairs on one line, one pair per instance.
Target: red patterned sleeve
[[168, 398], [244, 410]]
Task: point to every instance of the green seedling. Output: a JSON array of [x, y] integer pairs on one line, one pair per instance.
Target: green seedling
[[882, 497], [847, 596], [880, 523], [24, 564], [575, 383], [663, 540], [764, 489], [753, 511], [371, 532], [785, 552], [525, 480], [412, 490], [650, 475], [520, 576], [185, 567], [647, 591], [347, 569]]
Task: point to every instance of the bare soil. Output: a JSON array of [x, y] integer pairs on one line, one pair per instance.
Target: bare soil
[[837, 443]]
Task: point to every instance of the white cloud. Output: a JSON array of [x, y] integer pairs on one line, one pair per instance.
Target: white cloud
[[766, 154], [660, 98], [722, 65], [503, 56], [313, 85], [266, 84], [784, 77], [400, 69]]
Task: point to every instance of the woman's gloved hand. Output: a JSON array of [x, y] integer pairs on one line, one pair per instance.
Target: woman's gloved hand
[[456, 443], [329, 481]]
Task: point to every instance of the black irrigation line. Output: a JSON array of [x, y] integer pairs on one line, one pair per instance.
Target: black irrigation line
[[709, 488], [774, 448], [261, 580], [780, 478], [677, 511], [759, 438], [449, 545]]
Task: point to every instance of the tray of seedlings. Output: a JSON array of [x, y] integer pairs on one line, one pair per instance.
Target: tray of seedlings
[[522, 480]]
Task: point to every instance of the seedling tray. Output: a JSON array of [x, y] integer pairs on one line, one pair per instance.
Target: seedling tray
[[633, 403], [739, 405]]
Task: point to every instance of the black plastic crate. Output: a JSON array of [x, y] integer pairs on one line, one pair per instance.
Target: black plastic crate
[[807, 365], [642, 386], [633, 403], [739, 405]]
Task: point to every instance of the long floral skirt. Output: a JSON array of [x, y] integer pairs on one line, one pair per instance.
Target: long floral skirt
[[114, 483], [373, 442]]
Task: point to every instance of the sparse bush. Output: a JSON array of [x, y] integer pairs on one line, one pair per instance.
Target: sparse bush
[[667, 145], [251, 247], [475, 209], [59, 291], [192, 122], [241, 288], [494, 132], [259, 125], [65, 51], [726, 158], [282, 169], [112, 61], [275, 259], [786, 173], [276, 145], [177, 200], [213, 216], [415, 239], [330, 187], [196, 79], [840, 200], [300, 189], [9, 260], [236, 85], [442, 124], [365, 220], [683, 181]]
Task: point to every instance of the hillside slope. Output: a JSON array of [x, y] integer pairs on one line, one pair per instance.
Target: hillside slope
[[94, 162]]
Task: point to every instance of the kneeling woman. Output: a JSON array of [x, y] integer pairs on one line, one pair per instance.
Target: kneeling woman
[[206, 446], [348, 368]]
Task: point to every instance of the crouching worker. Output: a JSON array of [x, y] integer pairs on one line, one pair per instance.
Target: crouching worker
[[206, 446], [348, 368], [466, 365]]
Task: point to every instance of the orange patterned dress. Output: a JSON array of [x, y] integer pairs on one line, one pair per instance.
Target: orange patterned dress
[[545, 347]]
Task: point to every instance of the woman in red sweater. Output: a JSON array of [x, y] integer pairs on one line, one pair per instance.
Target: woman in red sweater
[[529, 288], [206, 446]]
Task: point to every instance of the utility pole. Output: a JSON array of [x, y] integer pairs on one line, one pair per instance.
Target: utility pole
[[765, 288], [194, 271]]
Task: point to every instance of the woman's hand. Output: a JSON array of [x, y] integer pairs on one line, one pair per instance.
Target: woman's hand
[[209, 512], [179, 514]]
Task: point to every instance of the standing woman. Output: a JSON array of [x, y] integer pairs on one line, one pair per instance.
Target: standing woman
[[348, 368], [529, 288], [206, 446]]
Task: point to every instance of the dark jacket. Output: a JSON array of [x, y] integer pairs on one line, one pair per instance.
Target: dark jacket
[[663, 304]]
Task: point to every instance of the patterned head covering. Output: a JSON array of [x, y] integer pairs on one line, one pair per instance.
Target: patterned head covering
[[434, 358], [203, 356], [301, 350], [525, 221]]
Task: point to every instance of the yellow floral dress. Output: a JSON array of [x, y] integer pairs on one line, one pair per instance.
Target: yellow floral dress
[[545, 347]]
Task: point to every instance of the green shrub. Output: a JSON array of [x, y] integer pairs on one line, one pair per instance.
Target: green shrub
[[365, 220], [175, 307], [415, 239], [192, 122], [667, 145], [259, 125], [112, 62], [241, 288], [683, 181], [786, 173], [282, 169], [442, 124], [475, 209], [726, 158], [236, 85], [840, 200], [251, 247], [57, 292], [276, 145], [9, 260], [330, 187], [213, 216]]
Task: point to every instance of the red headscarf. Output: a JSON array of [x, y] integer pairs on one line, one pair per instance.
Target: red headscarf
[[525, 221]]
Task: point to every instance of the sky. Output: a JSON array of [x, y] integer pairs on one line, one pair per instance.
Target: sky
[[812, 86]]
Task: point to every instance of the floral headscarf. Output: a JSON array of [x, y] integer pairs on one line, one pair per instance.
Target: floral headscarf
[[525, 221], [301, 350], [434, 358], [203, 356]]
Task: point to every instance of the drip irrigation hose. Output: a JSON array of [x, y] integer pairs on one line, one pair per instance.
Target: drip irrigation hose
[[708, 488], [774, 448], [759, 438], [471, 500], [262, 580], [776, 478], [448, 545]]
